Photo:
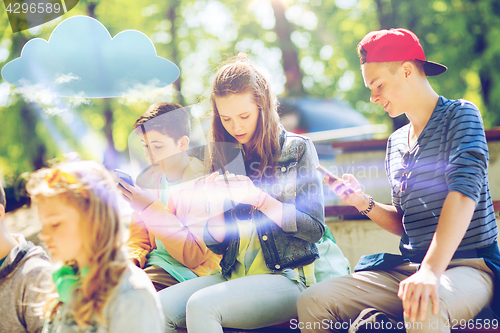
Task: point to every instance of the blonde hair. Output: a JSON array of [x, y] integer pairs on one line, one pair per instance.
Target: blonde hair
[[238, 76], [92, 191]]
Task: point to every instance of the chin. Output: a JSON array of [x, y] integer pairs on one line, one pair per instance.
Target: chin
[[394, 114]]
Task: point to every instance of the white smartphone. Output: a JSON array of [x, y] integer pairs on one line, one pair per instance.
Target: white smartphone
[[228, 176]]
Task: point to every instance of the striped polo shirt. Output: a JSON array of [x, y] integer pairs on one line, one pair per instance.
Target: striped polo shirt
[[450, 154]]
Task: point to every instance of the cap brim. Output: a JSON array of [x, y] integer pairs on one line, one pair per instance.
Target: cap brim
[[433, 68]]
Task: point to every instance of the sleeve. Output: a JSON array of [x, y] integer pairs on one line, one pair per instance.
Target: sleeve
[[305, 218], [183, 242], [212, 244], [37, 285], [468, 151], [137, 310], [231, 232], [139, 245], [395, 191]]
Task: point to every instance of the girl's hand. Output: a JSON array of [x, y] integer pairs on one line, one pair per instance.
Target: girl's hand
[[242, 190], [246, 185], [138, 198], [349, 191]]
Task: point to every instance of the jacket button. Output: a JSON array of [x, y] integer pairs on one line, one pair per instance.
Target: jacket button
[[277, 266], [283, 169], [264, 238]]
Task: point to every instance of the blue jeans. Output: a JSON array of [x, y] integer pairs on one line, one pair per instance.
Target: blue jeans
[[206, 304]]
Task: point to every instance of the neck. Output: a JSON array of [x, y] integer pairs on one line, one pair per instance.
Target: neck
[[422, 106], [7, 242], [82, 261], [175, 173]]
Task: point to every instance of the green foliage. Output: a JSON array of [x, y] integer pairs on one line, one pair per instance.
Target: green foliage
[[198, 34]]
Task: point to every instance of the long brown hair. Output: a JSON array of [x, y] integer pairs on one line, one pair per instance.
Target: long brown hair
[[93, 193], [238, 76]]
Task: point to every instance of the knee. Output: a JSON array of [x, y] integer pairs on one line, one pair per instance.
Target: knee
[[307, 297], [198, 305], [432, 322], [314, 301]]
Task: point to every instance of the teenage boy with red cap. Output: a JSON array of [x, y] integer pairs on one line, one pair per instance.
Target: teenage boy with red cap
[[441, 206]]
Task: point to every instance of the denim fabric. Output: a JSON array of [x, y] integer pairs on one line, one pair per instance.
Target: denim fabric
[[299, 187]]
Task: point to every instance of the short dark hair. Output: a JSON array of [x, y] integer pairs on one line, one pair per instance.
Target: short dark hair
[[174, 124], [2, 197], [362, 54], [417, 63]]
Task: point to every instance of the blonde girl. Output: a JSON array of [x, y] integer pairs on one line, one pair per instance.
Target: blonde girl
[[98, 290]]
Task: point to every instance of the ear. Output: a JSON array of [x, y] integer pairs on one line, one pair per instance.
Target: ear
[[408, 69], [2, 212], [183, 143]]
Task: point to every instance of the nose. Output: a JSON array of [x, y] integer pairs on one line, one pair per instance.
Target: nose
[[374, 98], [236, 127], [42, 235], [149, 155]]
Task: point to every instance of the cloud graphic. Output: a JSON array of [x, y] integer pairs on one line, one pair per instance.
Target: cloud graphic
[[67, 78], [82, 60]]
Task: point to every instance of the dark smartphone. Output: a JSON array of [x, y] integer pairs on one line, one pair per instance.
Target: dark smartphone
[[125, 176], [332, 176], [325, 172]]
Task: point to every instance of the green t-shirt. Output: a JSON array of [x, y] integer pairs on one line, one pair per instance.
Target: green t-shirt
[[160, 256], [2, 260]]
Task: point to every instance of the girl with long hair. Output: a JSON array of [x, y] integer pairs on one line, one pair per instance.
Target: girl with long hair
[[97, 289], [264, 222]]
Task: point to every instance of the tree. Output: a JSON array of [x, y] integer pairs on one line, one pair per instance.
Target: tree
[[172, 16], [291, 66]]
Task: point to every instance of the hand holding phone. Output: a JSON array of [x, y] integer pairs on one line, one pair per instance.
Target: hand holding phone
[[228, 176], [332, 177], [125, 176], [326, 172]]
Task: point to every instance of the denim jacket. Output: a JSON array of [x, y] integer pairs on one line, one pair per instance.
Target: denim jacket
[[299, 187]]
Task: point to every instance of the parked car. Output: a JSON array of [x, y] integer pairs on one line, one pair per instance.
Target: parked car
[[309, 114]]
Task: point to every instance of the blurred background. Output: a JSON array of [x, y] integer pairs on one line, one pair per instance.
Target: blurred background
[[307, 48]]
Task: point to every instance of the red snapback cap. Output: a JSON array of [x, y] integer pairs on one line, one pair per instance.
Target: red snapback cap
[[397, 45]]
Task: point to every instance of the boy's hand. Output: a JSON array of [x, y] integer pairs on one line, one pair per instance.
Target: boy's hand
[[415, 292], [349, 191], [138, 198]]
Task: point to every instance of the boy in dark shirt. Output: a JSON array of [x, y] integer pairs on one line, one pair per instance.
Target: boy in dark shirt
[[441, 205], [25, 279]]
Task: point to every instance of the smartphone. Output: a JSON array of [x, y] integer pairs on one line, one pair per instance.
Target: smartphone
[[325, 172], [332, 177], [125, 176], [228, 176]]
